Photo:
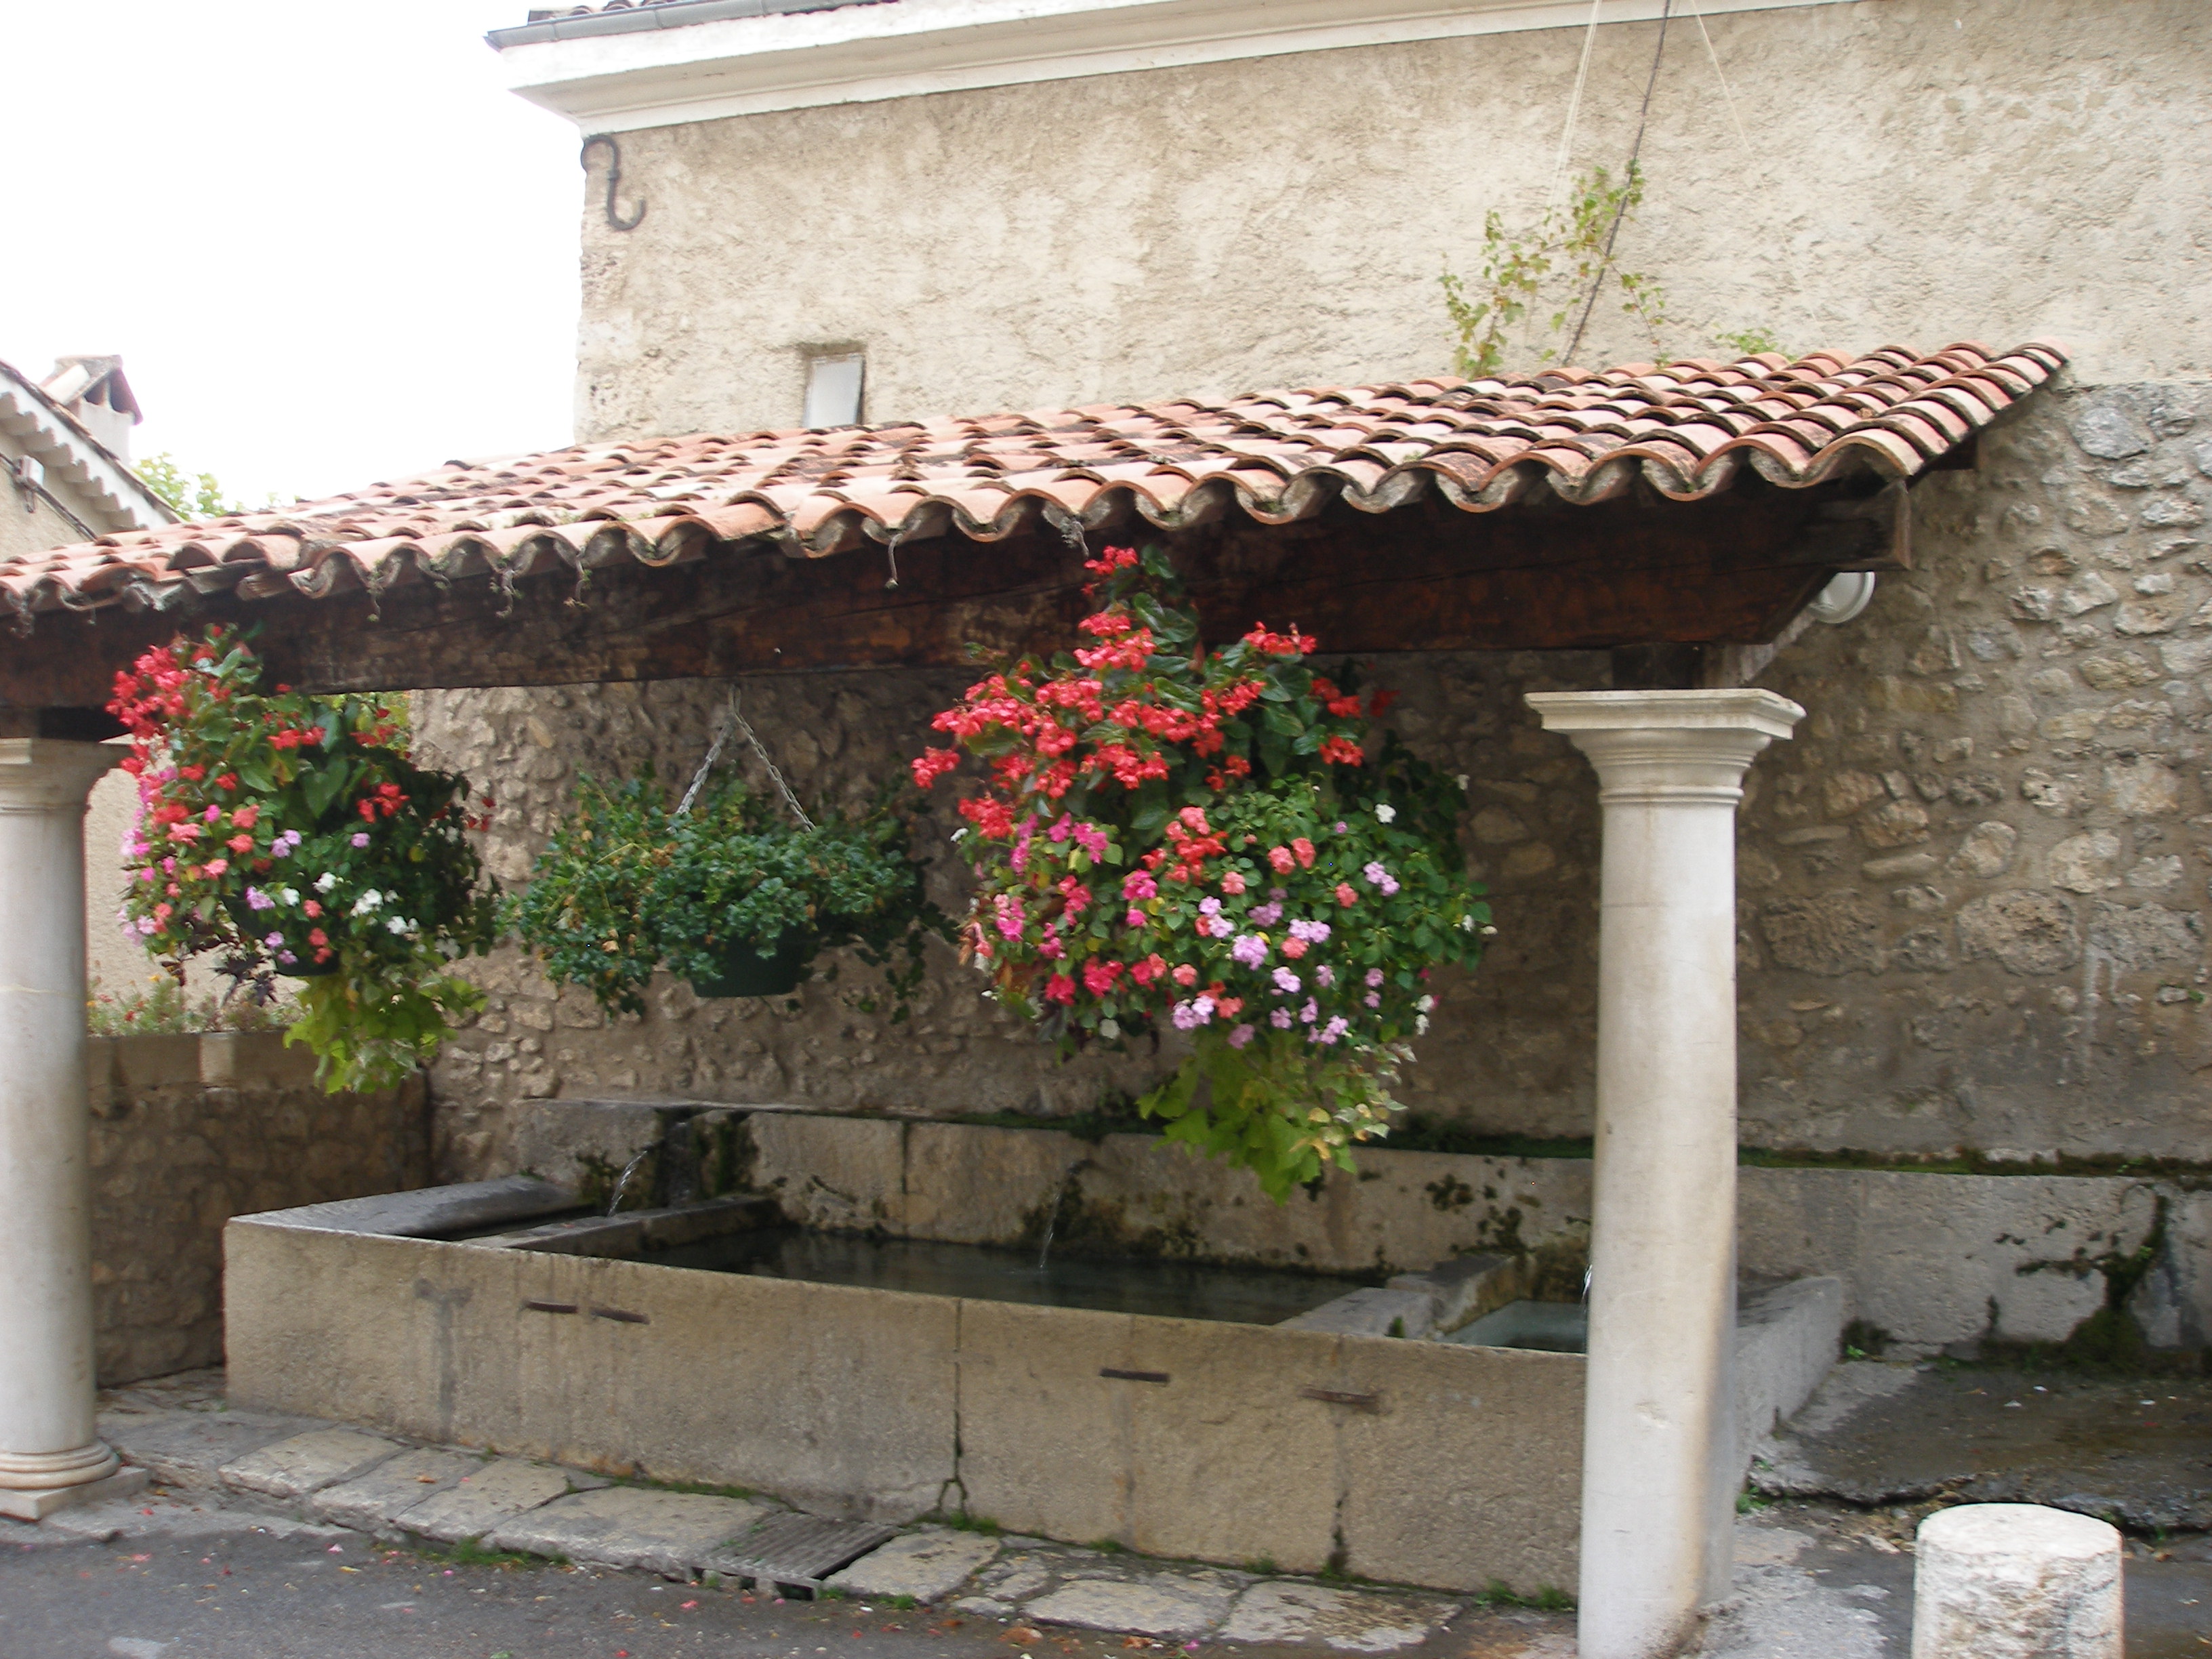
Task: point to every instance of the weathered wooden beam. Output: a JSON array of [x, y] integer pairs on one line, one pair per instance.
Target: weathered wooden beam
[[1731, 570]]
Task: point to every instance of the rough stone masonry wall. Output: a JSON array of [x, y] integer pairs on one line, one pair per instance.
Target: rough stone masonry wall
[[1512, 1044], [190, 1131], [1973, 887]]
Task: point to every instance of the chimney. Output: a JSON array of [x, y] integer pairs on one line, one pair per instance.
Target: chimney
[[96, 394]]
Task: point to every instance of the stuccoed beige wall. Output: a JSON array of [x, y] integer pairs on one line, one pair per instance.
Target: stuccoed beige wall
[[1972, 888], [1919, 171]]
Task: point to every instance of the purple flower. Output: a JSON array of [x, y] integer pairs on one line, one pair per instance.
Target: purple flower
[[1188, 1016], [275, 941], [1374, 980], [1240, 1037], [1266, 915], [1325, 976], [1329, 1033], [258, 900], [285, 958], [1220, 927], [360, 838], [1373, 999], [1286, 981], [1341, 827], [1281, 1019], [1209, 906], [147, 926], [1310, 1012], [1203, 1007], [1378, 877], [1313, 932], [1250, 950]]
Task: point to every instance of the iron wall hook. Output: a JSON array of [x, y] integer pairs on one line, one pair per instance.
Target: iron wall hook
[[614, 179]]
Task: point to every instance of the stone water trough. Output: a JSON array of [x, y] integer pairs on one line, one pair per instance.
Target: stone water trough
[[704, 1339]]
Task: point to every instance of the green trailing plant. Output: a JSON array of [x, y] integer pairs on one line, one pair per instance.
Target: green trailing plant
[[162, 1008], [627, 886], [1540, 275], [289, 834]]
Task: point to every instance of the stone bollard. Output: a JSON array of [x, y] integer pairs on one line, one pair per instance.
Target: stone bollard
[[2015, 1581]]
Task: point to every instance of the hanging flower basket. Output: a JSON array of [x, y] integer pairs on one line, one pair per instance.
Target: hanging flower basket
[[727, 894], [1204, 842], [291, 834]]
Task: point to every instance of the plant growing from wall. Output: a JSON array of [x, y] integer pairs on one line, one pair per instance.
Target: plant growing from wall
[[1212, 843], [1548, 272], [287, 833], [726, 895]]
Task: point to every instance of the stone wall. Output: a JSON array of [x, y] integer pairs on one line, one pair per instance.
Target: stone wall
[[1973, 888], [190, 1131], [1512, 1044]]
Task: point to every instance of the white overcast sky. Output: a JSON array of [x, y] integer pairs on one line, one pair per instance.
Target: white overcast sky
[[329, 246]]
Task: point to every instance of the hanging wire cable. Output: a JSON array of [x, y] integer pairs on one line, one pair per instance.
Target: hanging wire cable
[[733, 719], [1620, 211], [1742, 135], [1574, 109]]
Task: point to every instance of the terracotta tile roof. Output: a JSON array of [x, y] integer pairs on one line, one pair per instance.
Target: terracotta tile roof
[[1685, 430]]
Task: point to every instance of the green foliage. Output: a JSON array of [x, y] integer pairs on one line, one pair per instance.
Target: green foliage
[[191, 495], [627, 886], [287, 834], [1752, 341], [1547, 271], [161, 1008]]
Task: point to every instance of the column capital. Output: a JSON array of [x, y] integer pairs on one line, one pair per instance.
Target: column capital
[[46, 775], [1670, 746]]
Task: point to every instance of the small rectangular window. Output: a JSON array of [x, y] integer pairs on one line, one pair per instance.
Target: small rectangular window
[[835, 381]]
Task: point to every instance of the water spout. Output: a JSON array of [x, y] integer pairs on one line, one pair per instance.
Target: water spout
[[621, 1182]]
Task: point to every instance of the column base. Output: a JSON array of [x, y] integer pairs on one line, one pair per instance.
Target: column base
[[37, 1505]]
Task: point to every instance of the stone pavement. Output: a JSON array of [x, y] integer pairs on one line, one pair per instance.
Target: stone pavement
[[306, 1515]]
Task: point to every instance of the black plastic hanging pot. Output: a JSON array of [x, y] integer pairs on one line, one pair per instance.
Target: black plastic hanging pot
[[745, 972]]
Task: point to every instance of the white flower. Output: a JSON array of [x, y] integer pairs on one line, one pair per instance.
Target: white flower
[[1421, 1025], [1489, 931], [1386, 812], [327, 880], [1108, 1029], [1462, 781], [399, 924], [291, 895], [958, 835], [1425, 1004], [367, 901], [1466, 924]]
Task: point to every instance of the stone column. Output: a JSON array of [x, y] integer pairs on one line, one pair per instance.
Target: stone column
[[1659, 1463], [49, 1453]]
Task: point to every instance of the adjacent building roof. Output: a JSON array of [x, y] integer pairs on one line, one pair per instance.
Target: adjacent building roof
[[1684, 430], [55, 432]]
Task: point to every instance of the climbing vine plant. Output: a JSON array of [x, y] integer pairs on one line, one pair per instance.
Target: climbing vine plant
[[1552, 272]]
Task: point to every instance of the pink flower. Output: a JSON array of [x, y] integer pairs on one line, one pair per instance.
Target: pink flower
[[216, 866], [1232, 883], [1008, 915], [1241, 1035], [1281, 859], [1184, 973], [241, 843], [1060, 988], [212, 814], [1304, 850], [1294, 947], [1138, 884], [246, 816], [1286, 981], [360, 838], [1136, 918], [1345, 896]]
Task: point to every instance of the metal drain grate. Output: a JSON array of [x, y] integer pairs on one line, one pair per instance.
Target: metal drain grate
[[796, 1550]]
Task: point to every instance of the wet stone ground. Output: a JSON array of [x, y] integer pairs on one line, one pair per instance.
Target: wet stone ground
[[1824, 1566]]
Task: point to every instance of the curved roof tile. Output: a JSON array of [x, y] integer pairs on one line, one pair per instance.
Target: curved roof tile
[[1585, 435]]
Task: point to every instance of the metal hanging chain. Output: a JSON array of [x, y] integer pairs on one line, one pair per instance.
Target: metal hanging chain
[[733, 719]]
